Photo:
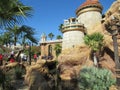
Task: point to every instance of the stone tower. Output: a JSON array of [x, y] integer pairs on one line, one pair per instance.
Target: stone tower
[[73, 33], [73, 29], [89, 13], [43, 38]]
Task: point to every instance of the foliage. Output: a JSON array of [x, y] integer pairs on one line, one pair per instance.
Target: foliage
[[2, 78], [59, 37], [92, 78], [5, 39], [27, 33], [18, 72], [22, 34], [5, 81], [12, 12], [1, 50], [51, 35], [35, 49], [14, 32], [8, 76], [94, 41], [26, 50], [60, 27], [58, 49], [5, 51]]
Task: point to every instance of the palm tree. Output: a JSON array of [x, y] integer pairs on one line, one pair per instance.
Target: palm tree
[[59, 37], [12, 11], [51, 35], [6, 39], [60, 27], [95, 42], [15, 32], [22, 34], [27, 34]]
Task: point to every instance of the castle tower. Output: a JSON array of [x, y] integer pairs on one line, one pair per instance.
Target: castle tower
[[43, 38], [89, 13], [73, 33]]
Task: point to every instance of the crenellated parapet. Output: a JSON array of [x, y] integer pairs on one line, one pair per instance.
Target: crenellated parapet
[[72, 24]]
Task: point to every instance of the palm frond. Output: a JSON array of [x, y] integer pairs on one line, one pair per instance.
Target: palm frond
[[94, 41], [12, 12]]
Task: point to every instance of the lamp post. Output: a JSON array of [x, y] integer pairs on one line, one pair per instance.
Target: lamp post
[[113, 26]]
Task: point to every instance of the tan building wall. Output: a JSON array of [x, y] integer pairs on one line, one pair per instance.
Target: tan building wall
[[47, 48]]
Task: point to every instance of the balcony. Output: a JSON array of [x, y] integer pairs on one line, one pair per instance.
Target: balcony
[[73, 26]]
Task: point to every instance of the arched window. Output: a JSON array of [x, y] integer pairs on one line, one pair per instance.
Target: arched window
[[49, 50]]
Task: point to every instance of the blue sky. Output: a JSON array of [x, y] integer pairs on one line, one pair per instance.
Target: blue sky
[[49, 14]]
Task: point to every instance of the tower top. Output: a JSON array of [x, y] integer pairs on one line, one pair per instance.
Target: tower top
[[90, 4], [43, 37]]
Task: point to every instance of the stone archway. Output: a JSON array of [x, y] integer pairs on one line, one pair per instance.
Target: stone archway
[[50, 50]]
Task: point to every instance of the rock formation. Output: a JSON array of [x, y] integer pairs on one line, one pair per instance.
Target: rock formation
[[72, 60], [38, 76]]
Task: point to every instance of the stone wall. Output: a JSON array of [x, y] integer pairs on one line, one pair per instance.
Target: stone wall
[[72, 38], [45, 48], [90, 19]]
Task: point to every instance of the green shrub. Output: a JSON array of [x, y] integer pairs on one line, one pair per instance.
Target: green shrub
[[5, 81], [92, 78], [18, 72]]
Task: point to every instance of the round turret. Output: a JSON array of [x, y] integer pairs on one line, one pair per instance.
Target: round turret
[[89, 5], [89, 13], [73, 33]]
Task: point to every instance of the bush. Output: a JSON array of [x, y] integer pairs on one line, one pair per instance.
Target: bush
[[18, 72], [92, 78], [5, 81]]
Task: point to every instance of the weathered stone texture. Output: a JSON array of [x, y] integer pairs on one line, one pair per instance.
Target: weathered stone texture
[[72, 38]]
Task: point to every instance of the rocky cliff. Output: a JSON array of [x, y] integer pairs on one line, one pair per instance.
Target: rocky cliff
[[72, 60]]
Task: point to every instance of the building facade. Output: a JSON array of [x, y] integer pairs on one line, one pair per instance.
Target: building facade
[[48, 47], [74, 29]]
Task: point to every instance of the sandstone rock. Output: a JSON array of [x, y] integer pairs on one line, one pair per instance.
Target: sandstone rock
[[113, 87], [12, 64], [38, 76], [71, 62], [107, 62], [114, 8]]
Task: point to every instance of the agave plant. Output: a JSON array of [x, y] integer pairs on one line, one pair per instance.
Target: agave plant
[[92, 78]]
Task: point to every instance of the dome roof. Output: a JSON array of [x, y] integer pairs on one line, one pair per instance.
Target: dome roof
[[90, 3]]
